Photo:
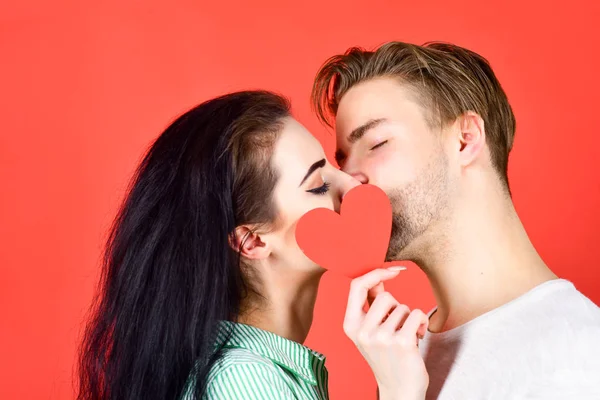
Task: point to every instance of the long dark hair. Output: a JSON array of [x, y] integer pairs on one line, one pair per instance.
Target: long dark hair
[[169, 274]]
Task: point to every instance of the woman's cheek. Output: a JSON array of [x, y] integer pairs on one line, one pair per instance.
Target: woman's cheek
[[311, 203]]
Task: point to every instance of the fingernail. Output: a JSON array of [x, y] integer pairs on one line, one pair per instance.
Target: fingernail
[[396, 269]]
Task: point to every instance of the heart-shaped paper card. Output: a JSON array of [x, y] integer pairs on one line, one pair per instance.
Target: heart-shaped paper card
[[353, 242]]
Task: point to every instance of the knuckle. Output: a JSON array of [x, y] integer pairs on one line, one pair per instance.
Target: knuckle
[[419, 313], [386, 297], [355, 284], [382, 338], [403, 308], [363, 338], [348, 329], [403, 342]]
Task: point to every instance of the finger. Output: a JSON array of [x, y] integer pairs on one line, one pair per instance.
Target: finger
[[396, 319], [359, 289], [374, 292], [423, 328], [380, 288], [383, 305], [413, 324]]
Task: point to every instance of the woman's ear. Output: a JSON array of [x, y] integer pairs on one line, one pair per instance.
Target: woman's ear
[[248, 243]]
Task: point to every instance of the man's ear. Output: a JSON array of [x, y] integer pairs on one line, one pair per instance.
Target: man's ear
[[471, 131], [248, 243]]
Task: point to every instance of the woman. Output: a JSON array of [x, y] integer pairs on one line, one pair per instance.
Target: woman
[[204, 292]]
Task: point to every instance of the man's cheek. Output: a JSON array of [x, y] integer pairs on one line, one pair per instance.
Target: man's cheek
[[382, 163], [389, 171], [380, 172]]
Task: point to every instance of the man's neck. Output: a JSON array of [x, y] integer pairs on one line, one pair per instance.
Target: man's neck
[[288, 304], [484, 260]]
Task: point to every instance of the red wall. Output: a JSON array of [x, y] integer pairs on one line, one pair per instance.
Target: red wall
[[84, 89]]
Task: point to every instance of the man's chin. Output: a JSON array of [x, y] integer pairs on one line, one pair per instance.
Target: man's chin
[[400, 250], [394, 255]]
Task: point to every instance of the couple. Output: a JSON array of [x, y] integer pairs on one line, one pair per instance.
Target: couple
[[206, 295]]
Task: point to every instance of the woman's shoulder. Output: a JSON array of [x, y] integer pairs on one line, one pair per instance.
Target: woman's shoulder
[[236, 371], [236, 360], [241, 373]]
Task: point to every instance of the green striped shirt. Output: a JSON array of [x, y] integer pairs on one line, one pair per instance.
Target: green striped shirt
[[257, 364]]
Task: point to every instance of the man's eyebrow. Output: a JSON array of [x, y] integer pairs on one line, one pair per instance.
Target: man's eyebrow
[[359, 132]]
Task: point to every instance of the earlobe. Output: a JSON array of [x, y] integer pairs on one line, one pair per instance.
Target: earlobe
[[472, 137], [248, 243]]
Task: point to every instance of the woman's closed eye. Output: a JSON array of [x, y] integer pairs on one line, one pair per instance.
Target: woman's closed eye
[[324, 188]]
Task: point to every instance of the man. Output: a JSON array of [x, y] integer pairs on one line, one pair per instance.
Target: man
[[432, 126]]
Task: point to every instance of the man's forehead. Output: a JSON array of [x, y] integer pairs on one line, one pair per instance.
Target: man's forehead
[[373, 99], [378, 100], [353, 117]]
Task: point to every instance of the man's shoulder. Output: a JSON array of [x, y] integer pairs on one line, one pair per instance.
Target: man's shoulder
[[554, 304], [564, 327], [564, 308], [551, 321], [547, 338]]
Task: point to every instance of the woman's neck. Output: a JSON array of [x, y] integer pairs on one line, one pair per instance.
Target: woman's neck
[[288, 304]]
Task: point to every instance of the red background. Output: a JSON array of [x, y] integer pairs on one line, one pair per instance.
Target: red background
[[84, 88]]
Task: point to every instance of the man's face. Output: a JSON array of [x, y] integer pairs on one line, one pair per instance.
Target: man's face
[[384, 139]]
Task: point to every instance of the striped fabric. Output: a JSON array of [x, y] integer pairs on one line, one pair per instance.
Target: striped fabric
[[257, 364]]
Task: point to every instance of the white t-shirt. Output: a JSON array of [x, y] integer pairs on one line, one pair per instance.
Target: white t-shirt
[[543, 345]]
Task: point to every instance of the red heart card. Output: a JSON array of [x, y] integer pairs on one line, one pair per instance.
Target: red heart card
[[353, 242]]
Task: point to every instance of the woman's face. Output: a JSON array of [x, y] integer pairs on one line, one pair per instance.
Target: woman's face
[[306, 181]]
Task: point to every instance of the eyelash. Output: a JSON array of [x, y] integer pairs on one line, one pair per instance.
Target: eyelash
[[321, 189], [378, 145]]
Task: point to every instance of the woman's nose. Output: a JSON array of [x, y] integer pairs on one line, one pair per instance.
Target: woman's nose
[[349, 183], [346, 183]]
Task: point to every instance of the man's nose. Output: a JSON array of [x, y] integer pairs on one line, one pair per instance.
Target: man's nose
[[349, 167], [359, 177]]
